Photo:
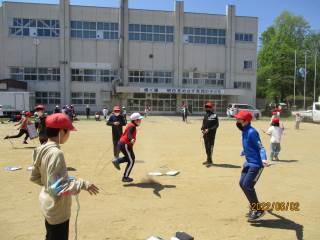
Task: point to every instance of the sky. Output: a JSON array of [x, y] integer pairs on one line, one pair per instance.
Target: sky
[[266, 10]]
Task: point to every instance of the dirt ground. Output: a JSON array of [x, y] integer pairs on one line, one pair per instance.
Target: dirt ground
[[204, 202]]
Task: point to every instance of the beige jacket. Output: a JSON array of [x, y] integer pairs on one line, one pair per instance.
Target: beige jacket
[[50, 171]]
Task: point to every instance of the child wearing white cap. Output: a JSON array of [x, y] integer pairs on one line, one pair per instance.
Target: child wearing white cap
[[125, 145]]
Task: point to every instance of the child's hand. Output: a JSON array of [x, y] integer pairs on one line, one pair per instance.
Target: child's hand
[[93, 189], [116, 123], [265, 163], [133, 141]]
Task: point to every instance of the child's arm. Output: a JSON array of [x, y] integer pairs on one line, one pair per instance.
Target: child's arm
[[59, 183], [19, 123], [35, 173]]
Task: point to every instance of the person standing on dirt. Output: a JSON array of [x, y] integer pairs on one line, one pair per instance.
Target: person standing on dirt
[[57, 109], [117, 122], [256, 160], [1, 114], [87, 111], [209, 128], [184, 110], [24, 122], [40, 124]]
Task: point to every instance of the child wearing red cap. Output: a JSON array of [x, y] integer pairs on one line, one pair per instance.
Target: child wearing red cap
[[256, 160], [50, 172], [117, 122], [24, 122], [275, 132], [40, 124], [209, 128]]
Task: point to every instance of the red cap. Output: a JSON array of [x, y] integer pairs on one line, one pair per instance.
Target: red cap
[[39, 107], [275, 120], [60, 121], [27, 114], [274, 113], [116, 109], [244, 115], [209, 105]]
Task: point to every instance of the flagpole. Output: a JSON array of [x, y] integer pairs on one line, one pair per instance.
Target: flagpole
[[305, 80], [294, 78], [315, 76]]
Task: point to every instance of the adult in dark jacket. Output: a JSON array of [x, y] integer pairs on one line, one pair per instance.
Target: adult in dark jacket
[[40, 124], [209, 128], [116, 121]]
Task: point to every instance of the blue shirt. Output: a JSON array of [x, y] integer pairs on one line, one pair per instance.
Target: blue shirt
[[252, 147]]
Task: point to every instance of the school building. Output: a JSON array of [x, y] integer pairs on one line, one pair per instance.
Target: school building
[[100, 56]]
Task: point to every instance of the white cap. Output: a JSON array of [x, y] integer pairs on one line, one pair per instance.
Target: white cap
[[135, 116]]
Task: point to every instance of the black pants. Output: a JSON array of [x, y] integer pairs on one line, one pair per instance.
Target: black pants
[[209, 139], [116, 150], [58, 231], [249, 178], [21, 132], [129, 157]]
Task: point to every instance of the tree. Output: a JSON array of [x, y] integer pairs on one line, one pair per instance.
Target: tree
[[276, 57]]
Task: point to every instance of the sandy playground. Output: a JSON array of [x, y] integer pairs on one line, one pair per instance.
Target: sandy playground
[[204, 202]]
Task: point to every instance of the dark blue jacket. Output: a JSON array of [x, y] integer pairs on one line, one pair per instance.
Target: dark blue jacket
[[252, 147]]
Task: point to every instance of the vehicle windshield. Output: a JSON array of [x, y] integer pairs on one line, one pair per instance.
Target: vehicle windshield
[[242, 106]]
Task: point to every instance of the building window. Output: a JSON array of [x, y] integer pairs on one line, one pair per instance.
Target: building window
[[150, 77], [34, 27], [80, 98], [94, 30], [152, 33], [48, 97], [247, 65], [244, 37], [204, 35], [201, 79], [90, 75], [35, 74], [157, 102], [244, 85]]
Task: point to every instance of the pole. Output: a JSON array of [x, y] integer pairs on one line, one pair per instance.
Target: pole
[[305, 80], [294, 77], [315, 76]]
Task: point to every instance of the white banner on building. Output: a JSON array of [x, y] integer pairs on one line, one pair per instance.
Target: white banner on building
[[182, 90]]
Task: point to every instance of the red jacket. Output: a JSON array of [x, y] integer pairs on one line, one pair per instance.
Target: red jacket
[[129, 133]]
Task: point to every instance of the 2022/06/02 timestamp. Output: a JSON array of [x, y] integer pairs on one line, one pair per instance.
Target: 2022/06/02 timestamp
[[277, 206]]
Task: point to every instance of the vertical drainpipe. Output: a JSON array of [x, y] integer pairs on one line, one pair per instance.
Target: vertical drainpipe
[[123, 41], [64, 61]]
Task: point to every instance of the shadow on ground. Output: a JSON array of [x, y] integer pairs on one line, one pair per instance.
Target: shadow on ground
[[280, 223], [150, 183], [71, 169], [223, 165], [285, 161]]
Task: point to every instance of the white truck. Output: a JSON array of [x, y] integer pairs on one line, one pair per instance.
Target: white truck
[[14, 102], [311, 115]]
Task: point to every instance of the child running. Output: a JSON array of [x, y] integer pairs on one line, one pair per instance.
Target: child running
[[125, 145], [275, 132], [50, 172], [24, 122]]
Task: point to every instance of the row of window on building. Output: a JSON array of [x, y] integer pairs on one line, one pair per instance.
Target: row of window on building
[[35, 74], [110, 30], [195, 78], [243, 85], [78, 98], [107, 76]]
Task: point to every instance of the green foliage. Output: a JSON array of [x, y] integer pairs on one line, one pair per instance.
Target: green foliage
[[276, 57]]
